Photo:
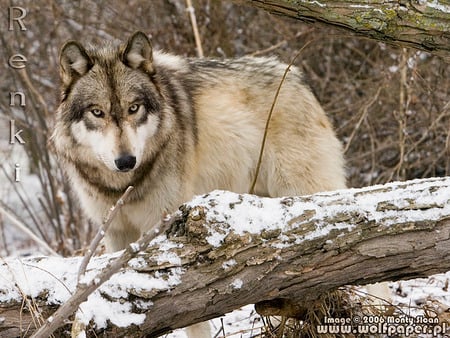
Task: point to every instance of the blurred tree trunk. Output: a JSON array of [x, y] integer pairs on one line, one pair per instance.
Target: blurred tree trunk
[[423, 25], [318, 243]]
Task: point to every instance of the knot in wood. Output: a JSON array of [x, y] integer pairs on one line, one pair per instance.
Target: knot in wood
[[196, 224]]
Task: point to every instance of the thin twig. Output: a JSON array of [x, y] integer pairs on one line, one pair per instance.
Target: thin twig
[[28, 232], [198, 42], [279, 44], [266, 129], [101, 232], [51, 274], [401, 117], [363, 116]]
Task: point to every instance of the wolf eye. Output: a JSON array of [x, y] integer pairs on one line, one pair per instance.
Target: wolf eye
[[97, 113], [133, 108]]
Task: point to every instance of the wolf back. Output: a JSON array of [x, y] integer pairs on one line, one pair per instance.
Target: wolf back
[[174, 127]]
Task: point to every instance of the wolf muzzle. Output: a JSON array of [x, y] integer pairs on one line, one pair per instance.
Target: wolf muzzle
[[125, 162]]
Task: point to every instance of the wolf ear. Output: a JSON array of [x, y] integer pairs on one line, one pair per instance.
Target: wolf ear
[[138, 53], [74, 61]]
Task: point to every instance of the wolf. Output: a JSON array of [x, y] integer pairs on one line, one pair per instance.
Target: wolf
[[174, 127]]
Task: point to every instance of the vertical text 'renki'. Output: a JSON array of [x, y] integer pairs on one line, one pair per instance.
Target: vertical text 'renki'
[[17, 62]]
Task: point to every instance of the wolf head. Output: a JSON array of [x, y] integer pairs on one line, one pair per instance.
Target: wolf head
[[111, 104]]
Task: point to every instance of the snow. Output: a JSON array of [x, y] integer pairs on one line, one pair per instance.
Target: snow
[[360, 6], [228, 212], [241, 323], [237, 283], [435, 4], [36, 276], [393, 69], [82, 334], [439, 6], [165, 255], [216, 238], [317, 3], [228, 264], [102, 311], [168, 257], [314, 2]]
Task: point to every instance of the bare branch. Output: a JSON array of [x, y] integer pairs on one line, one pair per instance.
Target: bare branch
[[418, 24]]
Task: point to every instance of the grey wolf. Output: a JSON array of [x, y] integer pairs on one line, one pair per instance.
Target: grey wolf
[[174, 127]]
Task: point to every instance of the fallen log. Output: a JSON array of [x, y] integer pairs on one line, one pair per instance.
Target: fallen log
[[227, 250]]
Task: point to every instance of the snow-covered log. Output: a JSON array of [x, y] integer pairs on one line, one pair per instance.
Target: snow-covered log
[[419, 24], [228, 250]]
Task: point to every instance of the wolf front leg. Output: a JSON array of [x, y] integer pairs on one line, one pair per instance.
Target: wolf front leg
[[117, 238], [200, 330]]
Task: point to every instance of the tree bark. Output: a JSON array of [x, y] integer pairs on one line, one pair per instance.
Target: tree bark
[[423, 25], [229, 250]]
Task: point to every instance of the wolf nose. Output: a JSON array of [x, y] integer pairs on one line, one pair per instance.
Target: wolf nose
[[125, 162]]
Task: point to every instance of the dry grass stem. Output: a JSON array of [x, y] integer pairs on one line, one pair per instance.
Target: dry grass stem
[[269, 117], [198, 42]]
